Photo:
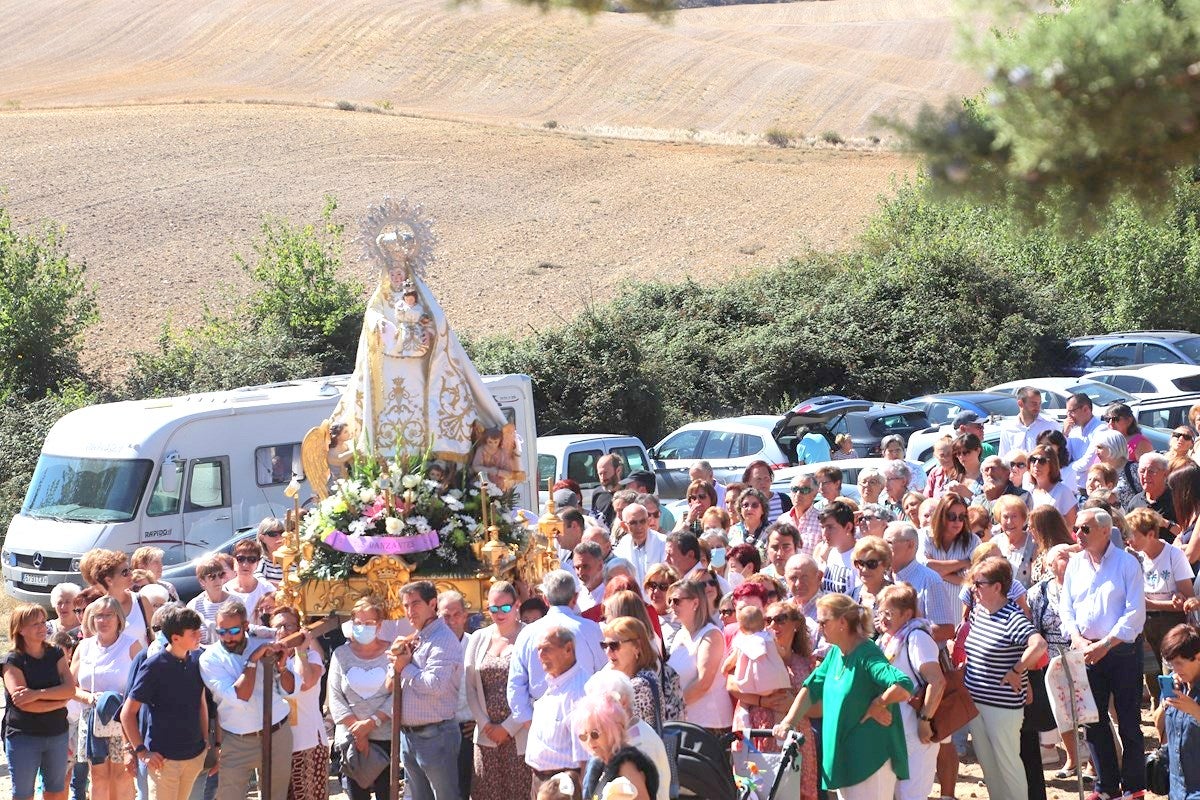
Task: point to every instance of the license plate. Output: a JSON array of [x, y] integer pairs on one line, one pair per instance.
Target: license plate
[[35, 579]]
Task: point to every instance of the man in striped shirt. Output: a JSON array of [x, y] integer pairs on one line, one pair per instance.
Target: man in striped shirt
[[804, 514]]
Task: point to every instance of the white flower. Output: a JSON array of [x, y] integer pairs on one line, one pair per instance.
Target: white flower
[[328, 504], [358, 527], [366, 495], [452, 502], [410, 481], [431, 485], [393, 525], [447, 529], [456, 494], [494, 490], [469, 522], [420, 523]]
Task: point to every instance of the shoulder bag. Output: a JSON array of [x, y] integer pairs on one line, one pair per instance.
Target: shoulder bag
[[956, 709]]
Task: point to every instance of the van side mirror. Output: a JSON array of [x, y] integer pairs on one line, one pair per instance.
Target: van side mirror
[[653, 456], [168, 474]]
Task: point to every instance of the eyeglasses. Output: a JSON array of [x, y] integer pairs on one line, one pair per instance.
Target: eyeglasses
[[272, 534], [714, 583], [726, 612], [613, 644], [805, 489], [674, 601], [867, 563], [234, 631], [104, 615], [654, 514], [1038, 460], [208, 576], [591, 735], [654, 586], [782, 618], [1021, 464], [1182, 435], [953, 517], [125, 572], [248, 559], [977, 584], [504, 609], [1082, 529]]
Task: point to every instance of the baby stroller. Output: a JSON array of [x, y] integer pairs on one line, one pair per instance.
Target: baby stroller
[[706, 770]]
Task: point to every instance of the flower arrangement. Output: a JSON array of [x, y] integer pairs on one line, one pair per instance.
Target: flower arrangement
[[422, 509]]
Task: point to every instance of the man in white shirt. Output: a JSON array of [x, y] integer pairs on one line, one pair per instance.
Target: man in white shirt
[[552, 747], [1021, 432], [642, 547], [452, 608], [1080, 429], [1103, 609], [230, 670], [589, 567]]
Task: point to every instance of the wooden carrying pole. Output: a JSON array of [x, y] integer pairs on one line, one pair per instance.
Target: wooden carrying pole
[[268, 674]]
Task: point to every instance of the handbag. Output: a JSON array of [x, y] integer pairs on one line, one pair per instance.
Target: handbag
[[1038, 714], [104, 730], [1158, 770], [956, 709]]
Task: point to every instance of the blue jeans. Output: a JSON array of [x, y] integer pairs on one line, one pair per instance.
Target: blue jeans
[[27, 755], [79, 781], [1118, 676], [430, 759]]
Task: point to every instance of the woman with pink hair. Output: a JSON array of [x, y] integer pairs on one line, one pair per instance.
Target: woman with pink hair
[[602, 724]]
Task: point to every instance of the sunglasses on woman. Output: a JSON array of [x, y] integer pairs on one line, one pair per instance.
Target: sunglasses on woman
[[782, 618], [591, 735], [504, 609], [613, 644], [1038, 460], [954, 517], [867, 563], [653, 586], [1182, 435], [248, 559], [726, 612]]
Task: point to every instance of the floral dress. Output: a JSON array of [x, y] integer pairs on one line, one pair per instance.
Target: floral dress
[[800, 668], [500, 772]]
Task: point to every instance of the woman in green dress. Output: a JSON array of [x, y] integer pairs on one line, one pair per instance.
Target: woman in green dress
[[862, 736]]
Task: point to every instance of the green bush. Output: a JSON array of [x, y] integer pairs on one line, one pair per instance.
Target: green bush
[[298, 292], [778, 137], [832, 137], [45, 306]]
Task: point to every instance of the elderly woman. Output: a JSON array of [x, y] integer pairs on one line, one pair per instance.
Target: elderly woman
[[1120, 418], [500, 769], [873, 562], [1014, 540], [101, 664], [659, 579], [1018, 466], [37, 686], [870, 485], [1168, 583], [629, 649], [1113, 450], [787, 625], [696, 656], [1002, 646], [640, 734], [246, 585], [896, 477], [752, 508], [63, 597], [733, 493], [701, 496], [1043, 608], [862, 734], [908, 643], [1046, 483], [109, 571], [359, 700], [602, 724]]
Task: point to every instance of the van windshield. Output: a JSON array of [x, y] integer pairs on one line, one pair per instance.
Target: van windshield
[[86, 489]]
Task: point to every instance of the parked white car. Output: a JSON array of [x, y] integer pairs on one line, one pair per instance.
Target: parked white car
[[1150, 382]]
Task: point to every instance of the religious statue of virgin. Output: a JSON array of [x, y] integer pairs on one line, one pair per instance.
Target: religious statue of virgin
[[414, 391]]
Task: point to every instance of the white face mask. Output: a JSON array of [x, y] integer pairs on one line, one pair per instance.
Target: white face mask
[[363, 634], [735, 579]]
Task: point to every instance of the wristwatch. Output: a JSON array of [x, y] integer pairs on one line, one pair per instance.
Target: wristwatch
[[924, 718]]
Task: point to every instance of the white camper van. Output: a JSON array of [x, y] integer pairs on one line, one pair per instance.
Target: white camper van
[[183, 474]]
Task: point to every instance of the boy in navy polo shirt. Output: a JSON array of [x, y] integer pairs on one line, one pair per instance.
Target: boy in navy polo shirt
[[169, 685]]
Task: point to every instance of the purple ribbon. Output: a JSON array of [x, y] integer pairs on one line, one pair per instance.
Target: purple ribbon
[[382, 545]]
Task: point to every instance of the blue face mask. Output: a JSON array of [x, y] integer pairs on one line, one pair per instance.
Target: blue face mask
[[363, 634], [716, 557]]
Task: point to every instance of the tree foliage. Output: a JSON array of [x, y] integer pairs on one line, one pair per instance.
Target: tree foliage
[[1088, 102], [45, 306]]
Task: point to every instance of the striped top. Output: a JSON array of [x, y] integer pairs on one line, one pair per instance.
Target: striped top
[[994, 646]]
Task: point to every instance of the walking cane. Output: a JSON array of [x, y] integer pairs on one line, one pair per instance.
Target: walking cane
[[394, 789], [264, 774]]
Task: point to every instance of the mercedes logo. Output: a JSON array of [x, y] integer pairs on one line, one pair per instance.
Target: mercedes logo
[[37, 560]]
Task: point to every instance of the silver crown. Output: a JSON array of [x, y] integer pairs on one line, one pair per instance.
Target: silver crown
[[398, 220]]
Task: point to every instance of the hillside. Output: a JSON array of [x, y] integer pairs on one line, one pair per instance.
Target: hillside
[[158, 134]]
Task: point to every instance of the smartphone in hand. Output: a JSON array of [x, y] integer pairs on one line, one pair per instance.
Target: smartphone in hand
[[1166, 686]]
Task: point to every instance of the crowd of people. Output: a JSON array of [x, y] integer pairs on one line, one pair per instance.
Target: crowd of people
[[846, 620]]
